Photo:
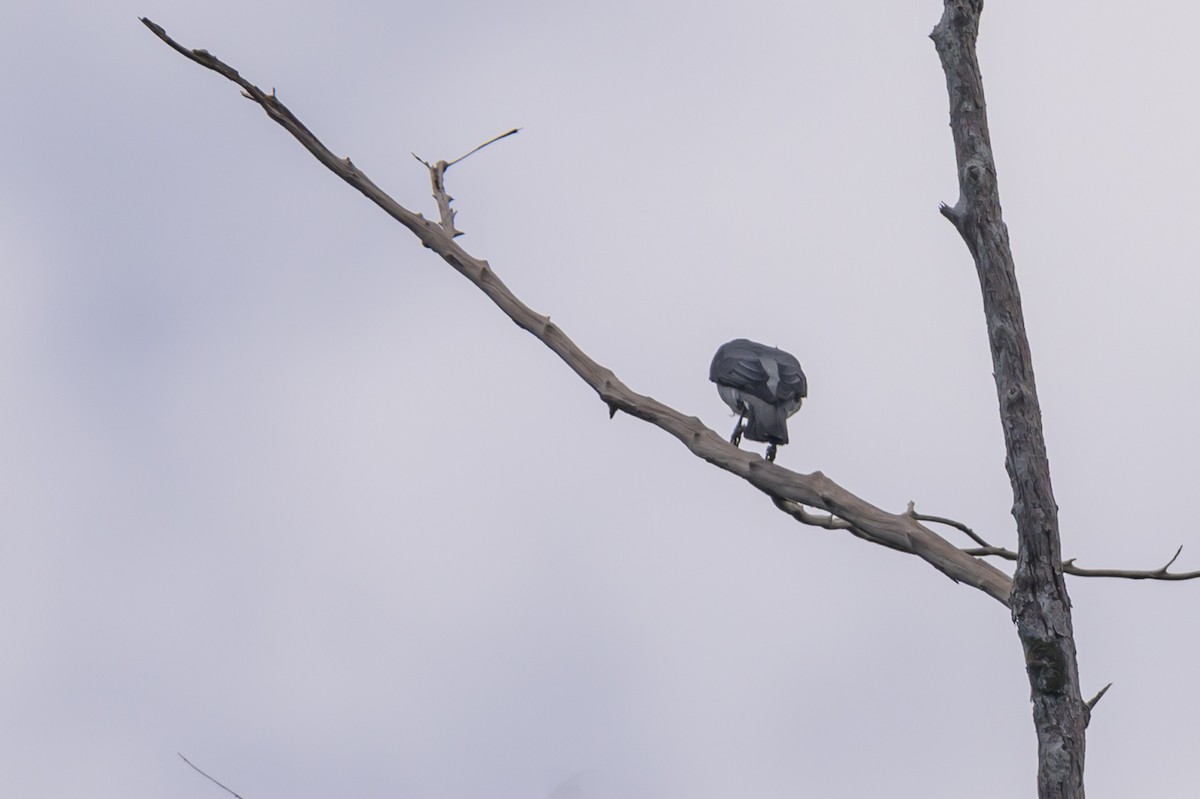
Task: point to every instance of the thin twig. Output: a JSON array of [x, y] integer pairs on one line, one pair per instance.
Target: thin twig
[[922, 517], [207, 776], [480, 147]]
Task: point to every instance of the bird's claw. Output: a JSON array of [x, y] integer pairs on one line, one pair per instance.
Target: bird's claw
[[771, 453], [739, 428]]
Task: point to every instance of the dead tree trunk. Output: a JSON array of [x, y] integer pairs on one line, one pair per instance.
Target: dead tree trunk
[[1040, 606]]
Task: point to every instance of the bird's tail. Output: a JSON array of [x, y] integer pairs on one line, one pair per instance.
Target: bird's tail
[[766, 422]]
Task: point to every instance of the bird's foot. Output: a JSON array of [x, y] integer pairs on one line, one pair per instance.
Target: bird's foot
[[771, 453]]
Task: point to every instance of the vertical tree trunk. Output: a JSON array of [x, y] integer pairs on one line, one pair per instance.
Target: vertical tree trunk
[[1040, 606]]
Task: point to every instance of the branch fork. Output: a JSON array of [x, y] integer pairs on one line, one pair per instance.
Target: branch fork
[[437, 178]]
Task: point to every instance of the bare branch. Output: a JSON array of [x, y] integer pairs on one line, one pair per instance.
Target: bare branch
[[921, 517], [437, 178], [1069, 567], [207, 776], [986, 550], [897, 531], [1091, 703], [1160, 573], [480, 147]]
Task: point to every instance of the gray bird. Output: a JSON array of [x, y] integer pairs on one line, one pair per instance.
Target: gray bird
[[763, 385]]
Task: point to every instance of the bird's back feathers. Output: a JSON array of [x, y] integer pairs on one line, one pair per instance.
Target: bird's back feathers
[[765, 383]]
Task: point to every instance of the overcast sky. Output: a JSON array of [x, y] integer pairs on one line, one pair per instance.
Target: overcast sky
[[281, 491]]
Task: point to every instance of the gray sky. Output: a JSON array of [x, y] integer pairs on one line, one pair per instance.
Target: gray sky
[[281, 491]]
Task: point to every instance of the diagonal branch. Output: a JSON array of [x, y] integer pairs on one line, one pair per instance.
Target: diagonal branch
[[492, 140], [208, 776], [893, 530]]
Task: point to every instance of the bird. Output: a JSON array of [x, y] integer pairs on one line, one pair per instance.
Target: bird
[[763, 385]]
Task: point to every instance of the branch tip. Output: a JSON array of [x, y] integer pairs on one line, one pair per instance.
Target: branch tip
[[1091, 703], [950, 212], [1172, 560], [480, 147]]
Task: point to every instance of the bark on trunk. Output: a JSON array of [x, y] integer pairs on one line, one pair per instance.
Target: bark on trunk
[[1040, 606]]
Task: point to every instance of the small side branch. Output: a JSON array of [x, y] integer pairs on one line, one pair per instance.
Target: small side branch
[[1069, 567], [492, 140], [1161, 573], [922, 517], [1091, 703], [437, 177]]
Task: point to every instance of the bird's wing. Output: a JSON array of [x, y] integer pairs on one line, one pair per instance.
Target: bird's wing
[[738, 366], [750, 367], [739, 372], [792, 382]]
